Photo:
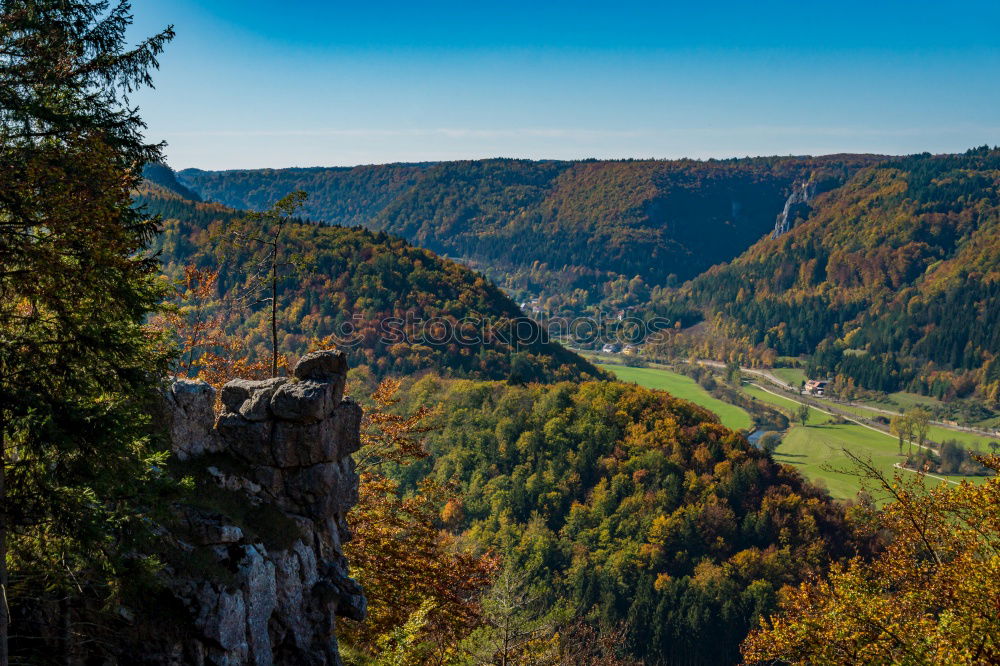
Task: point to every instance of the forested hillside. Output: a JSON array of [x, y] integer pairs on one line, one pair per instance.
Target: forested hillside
[[158, 173], [575, 234], [346, 196], [892, 283], [394, 307], [626, 506]]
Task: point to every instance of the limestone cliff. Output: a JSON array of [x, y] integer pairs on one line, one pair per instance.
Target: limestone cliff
[[796, 205], [261, 574]]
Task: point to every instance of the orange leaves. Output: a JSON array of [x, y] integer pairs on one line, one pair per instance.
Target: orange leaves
[[387, 436], [405, 561], [194, 319], [197, 321], [703, 458], [453, 512]]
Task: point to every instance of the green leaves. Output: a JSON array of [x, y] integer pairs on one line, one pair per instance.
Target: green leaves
[[626, 505]]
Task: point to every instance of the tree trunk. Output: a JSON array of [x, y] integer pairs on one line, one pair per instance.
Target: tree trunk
[[4, 603], [274, 312], [66, 630]]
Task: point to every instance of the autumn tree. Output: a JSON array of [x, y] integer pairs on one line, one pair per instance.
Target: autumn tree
[[423, 592], [930, 597], [194, 322], [802, 413], [386, 435], [902, 426], [194, 318], [920, 419], [76, 286]]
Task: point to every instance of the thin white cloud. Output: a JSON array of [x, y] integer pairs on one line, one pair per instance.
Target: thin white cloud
[[572, 133], [452, 132]]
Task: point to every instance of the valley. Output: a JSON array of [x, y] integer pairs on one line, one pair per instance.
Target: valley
[[571, 236], [702, 257], [724, 394], [817, 447], [516, 220]]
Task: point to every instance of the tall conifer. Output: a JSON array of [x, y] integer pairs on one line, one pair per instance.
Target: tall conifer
[[75, 289]]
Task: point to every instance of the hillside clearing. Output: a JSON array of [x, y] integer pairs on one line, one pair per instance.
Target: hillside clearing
[[682, 387]]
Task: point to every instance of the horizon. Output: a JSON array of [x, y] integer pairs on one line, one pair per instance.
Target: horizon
[[244, 86], [581, 159]]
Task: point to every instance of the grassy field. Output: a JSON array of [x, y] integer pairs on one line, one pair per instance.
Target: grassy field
[[681, 387], [794, 376], [902, 401], [934, 433], [817, 449], [818, 452], [939, 434]]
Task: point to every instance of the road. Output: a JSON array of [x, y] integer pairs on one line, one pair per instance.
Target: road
[[769, 376], [774, 379], [863, 425]]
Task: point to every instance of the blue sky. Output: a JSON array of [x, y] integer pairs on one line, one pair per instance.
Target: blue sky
[[254, 83]]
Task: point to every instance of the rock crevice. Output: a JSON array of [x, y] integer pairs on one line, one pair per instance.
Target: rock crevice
[[796, 206], [289, 442]]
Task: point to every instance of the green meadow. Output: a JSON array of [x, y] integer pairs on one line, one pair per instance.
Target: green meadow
[[681, 387], [934, 433], [817, 449], [794, 376]]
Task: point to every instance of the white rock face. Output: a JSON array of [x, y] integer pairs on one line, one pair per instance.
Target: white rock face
[[191, 414], [802, 194], [289, 442]]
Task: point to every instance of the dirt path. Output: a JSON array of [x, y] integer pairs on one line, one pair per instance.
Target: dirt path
[[933, 476]]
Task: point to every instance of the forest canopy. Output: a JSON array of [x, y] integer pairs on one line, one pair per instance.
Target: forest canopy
[[395, 308], [625, 506], [892, 282]]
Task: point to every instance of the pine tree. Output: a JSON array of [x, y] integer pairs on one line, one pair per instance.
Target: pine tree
[[75, 289]]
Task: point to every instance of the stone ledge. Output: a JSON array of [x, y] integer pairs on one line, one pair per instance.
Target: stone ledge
[[293, 438]]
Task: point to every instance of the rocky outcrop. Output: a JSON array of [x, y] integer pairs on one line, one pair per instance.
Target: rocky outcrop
[[796, 206], [276, 479]]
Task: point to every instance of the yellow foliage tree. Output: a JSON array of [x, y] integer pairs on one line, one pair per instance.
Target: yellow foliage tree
[[930, 597], [195, 322]]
